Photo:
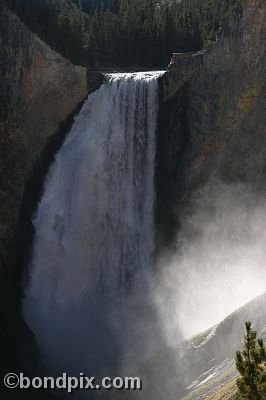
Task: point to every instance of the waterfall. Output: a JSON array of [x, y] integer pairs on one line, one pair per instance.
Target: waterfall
[[94, 231]]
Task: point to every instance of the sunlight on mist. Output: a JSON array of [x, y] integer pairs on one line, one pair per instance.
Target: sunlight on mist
[[219, 264]]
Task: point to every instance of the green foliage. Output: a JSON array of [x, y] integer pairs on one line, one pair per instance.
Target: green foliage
[[250, 363], [146, 32], [70, 34], [124, 32]]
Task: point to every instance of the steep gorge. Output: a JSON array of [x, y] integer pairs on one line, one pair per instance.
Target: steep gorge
[[211, 123], [40, 93], [212, 116], [92, 255]]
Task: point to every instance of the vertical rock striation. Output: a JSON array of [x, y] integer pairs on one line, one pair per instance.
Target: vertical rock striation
[[221, 131], [39, 90]]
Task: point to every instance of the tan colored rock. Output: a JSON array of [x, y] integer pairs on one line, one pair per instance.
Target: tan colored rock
[[213, 120], [39, 89], [226, 100]]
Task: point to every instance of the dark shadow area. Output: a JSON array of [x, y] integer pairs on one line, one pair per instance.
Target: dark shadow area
[[172, 143], [34, 187], [19, 350]]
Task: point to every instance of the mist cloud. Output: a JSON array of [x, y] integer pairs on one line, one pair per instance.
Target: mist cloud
[[219, 263]]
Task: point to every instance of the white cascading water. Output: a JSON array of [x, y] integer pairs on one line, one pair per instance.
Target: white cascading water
[[94, 233]]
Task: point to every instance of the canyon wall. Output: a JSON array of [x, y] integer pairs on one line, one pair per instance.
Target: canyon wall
[[39, 90], [212, 124], [212, 119]]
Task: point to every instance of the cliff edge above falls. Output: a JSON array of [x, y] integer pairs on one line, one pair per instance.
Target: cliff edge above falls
[[39, 91], [213, 119]]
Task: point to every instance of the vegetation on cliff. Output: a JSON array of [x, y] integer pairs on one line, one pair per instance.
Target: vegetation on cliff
[[124, 32], [250, 363]]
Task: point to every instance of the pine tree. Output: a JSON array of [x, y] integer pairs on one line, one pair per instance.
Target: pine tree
[[124, 32], [250, 363]]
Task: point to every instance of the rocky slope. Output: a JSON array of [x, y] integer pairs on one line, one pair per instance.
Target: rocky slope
[[202, 368], [212, 125], [39, 91], [213, 120], [216, 349]]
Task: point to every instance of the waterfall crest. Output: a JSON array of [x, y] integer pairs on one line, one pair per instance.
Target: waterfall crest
[[94, 232]]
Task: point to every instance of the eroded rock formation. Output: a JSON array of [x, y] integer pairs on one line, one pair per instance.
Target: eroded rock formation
[[39, 90], [213, 120]]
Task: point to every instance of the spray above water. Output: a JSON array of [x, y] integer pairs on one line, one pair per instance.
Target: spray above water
[[220, 262], [94, 233], [93, 301]]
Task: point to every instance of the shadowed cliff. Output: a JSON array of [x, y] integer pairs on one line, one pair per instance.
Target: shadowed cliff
[[211, 126], [212, 119], [40, 93]]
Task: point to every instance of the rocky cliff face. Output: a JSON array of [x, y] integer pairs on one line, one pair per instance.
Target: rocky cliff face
[[205, 362], [213, 120], [39, 90]]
